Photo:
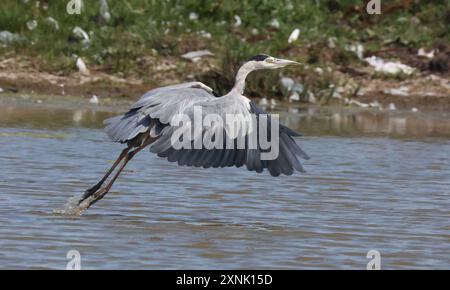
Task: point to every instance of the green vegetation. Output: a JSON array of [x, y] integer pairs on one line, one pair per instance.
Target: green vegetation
[[143, 29]]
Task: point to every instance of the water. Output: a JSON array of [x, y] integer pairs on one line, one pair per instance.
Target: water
[[376, 181]]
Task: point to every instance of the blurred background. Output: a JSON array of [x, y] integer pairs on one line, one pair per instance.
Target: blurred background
[[122, 48]]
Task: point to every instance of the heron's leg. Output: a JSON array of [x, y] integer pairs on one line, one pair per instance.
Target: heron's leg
[[129, 156], [96, 187], [103, 191]]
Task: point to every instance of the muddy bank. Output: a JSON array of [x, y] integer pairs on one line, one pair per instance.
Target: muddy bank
[[25, 75], [423, 91]]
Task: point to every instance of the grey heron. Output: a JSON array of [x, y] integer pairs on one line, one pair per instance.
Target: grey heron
[[148, 123]]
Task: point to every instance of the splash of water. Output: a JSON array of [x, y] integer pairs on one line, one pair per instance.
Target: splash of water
[[71, 208]]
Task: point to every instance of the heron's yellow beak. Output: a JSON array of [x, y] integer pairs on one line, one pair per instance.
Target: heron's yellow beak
[[284, 62]]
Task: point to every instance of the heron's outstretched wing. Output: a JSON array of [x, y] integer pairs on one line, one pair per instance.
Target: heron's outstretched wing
[[155, 112], [155, 109], [289, 152]]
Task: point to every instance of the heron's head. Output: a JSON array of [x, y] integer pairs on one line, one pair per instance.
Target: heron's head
[[264, 61]]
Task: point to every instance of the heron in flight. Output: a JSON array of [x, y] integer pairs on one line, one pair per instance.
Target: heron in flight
[[148, 123]]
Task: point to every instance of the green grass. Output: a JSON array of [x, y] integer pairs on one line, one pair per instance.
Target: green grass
[[140, 28]]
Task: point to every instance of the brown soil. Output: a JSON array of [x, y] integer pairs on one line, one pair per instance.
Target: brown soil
[[21, 75], [425, 90]]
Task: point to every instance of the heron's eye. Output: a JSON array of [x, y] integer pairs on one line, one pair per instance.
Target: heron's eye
[[270, 60]]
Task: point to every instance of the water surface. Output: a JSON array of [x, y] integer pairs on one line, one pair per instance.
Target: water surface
[[376, 181]]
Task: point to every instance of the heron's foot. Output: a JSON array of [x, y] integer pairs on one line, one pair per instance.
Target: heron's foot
[[87, 202], [99, 195], [90, 192]]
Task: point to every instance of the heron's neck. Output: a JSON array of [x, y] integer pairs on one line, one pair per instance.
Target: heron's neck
[[241, 75]]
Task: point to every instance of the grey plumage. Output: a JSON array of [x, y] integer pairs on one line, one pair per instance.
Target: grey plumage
[[150, 122], [153, 112]]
